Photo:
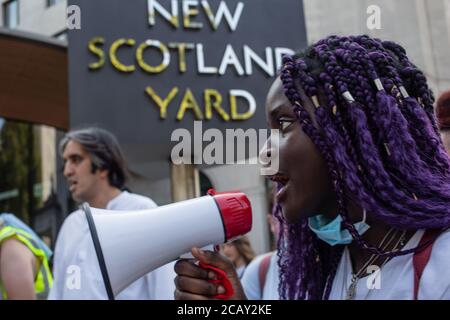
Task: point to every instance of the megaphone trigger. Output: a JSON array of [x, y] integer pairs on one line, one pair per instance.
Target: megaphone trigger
[[222, 280]]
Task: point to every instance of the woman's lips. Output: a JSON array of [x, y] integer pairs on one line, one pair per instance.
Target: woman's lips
[[282, 182], [279, 178]]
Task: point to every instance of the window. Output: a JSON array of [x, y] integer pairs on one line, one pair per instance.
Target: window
[[28, 171], [53, 2], [20, 164], [11, 13]]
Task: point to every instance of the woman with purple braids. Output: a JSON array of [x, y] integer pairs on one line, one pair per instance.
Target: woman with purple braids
[[364, 180]]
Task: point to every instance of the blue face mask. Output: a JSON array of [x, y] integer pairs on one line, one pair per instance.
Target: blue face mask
[[331, 231]]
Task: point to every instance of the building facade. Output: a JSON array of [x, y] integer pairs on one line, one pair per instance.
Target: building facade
[[422, 27], [29, 185]]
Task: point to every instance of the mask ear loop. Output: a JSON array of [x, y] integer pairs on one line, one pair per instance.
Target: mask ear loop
[[364, 216]]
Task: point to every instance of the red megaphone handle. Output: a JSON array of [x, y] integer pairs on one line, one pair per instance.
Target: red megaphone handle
[[222, 279]]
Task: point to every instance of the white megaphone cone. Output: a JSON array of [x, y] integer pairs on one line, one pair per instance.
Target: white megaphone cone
[[130, 244]]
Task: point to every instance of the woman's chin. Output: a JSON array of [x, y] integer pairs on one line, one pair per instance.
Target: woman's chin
[[291, 215], [295, 212]]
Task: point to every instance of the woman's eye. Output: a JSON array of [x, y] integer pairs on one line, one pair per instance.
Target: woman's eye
[[284, 123]]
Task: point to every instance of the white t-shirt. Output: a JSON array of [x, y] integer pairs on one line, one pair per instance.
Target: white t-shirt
[[75, 254], [240, 271], [396, 280], [250, 280]]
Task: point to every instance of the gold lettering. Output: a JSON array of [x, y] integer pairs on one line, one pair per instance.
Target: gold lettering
[[209, 14], [171, 17], [162, 48], [189, 103], [233, 105], [182, 47], [162, 104], [97, 51], [211, 94], [113, 57], [189, 12]]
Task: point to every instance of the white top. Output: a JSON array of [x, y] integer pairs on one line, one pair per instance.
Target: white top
[[76, 270], [396, 277], [250, 280], [240, 271]]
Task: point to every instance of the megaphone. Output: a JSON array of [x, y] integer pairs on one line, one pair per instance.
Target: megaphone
[[129, 244]]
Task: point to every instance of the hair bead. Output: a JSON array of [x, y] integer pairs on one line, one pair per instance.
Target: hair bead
[[378, 84], [348, 97], [315, 101]]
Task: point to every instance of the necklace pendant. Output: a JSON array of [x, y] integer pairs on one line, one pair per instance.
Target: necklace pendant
[[351, 292]]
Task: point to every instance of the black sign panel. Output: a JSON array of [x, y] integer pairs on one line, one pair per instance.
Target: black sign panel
[[143, 68]]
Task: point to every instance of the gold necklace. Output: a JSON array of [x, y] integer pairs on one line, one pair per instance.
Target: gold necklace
[[351, 292]]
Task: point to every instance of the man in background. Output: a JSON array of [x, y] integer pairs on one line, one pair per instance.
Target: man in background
[[96, 173]]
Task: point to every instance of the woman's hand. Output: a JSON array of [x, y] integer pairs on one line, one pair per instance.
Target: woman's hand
[[192, 281]]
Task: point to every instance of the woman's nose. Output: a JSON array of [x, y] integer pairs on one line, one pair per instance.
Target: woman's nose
[[269, 155], [265, 153]]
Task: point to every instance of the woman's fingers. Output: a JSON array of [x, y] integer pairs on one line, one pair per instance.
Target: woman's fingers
[[192, 281], [197, 286], [188, 268], [215, 259]]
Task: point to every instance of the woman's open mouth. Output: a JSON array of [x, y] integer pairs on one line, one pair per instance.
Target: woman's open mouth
[[282, 182]]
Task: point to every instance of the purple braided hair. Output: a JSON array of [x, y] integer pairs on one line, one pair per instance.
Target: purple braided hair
[[381, 146]]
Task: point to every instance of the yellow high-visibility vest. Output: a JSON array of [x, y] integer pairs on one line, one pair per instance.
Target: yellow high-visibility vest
[[44, 279]]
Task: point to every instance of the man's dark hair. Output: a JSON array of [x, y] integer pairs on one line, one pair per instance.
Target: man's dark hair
[[104, 150]]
